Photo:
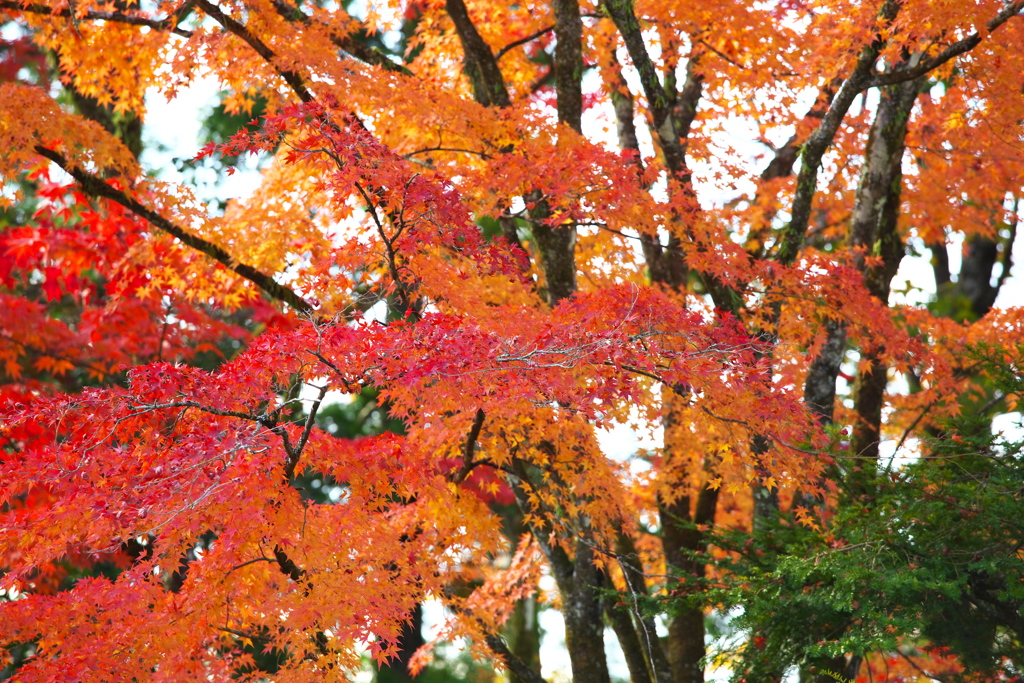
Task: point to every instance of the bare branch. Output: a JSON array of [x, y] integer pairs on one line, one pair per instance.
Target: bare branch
[[470, 448], [456, 150], [522, 41], [246, 564], [293, 457]]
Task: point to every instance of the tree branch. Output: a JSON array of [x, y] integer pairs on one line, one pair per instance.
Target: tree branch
[[247, 563], [511, 662], [623, 14], [470, 447], [955, 50], [646, 632], [481, 65], [287, 565], [455, 150], [363, 53], [814, 149], [632, 651], [167, 24], [293, 457], [292, 78], [94, 186], [569, 62], [522, 41]]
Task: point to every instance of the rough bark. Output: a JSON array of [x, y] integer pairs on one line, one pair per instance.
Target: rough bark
[[481, 67], [820, 385], [662, 103], [569, 62], [645, 658], [873, 229], [397, 670], [557, 244], [665, 264], [683, 542], [578, 579], [666, 267], [673, 117], [632, 650], [579, 584], [682, 538], [523, 635], [819, 141]]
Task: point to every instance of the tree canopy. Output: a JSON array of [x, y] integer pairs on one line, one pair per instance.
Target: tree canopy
[[499, 229]]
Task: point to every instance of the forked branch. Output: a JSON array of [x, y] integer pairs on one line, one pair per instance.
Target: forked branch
[[470, 448], [958, 48]]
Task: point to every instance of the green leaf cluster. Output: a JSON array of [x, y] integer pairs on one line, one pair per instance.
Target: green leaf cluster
[[929, 561]]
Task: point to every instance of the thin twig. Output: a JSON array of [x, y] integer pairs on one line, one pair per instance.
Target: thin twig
[[293, 458], [482, 155], [522, 41], [246, 564]]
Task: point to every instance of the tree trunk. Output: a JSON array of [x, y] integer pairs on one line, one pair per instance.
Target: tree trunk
[[873, 229], [397, 670]]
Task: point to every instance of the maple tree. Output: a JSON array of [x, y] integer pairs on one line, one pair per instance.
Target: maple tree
[[446, 222]]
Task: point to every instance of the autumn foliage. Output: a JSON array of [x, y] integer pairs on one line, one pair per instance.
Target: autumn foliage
[[516, 226]]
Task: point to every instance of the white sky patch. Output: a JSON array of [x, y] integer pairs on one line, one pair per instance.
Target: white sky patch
[[377, 312], [909, 452], [1010, 426], [311, 389], [914, 282], [620, 441], [172, 129]]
